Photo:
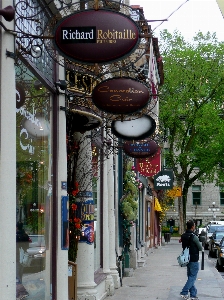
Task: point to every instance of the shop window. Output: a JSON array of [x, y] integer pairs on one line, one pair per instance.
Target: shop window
[[221, 195], [196, 195], [33, 184]]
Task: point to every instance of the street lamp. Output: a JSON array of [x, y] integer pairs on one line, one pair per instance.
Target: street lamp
[[214, 209]]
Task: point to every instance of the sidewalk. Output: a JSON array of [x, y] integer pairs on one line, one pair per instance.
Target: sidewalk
[[162, 278]]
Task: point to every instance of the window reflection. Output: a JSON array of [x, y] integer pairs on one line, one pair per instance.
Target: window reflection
[[33, 189]]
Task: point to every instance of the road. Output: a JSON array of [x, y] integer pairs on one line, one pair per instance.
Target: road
[[213, 260]]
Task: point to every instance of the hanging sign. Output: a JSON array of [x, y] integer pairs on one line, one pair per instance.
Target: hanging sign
[[96, 36], [135, 129], [140, 149], [175, 192], [149, 166], [83, 119], [120, 95], [163, 180]]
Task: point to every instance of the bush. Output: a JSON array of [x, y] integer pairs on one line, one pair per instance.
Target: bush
[[167, 229]]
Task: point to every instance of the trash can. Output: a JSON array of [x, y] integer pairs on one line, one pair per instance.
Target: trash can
[[167, 236]]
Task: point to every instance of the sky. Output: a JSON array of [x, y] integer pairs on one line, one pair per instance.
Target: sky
[[193, 16]]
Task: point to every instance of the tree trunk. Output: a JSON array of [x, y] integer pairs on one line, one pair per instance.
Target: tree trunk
[[180, 211]]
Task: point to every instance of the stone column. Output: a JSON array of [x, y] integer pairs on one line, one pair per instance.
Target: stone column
[[106, 238], [7, 163], [62, 261], [111, 220], [85, 257]]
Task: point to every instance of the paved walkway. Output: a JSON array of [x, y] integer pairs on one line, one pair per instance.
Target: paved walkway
[[162, 278]]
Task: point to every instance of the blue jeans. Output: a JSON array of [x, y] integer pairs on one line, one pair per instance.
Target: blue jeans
[[192, 272]]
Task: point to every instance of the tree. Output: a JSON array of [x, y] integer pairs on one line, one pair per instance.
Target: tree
[[191, 109]]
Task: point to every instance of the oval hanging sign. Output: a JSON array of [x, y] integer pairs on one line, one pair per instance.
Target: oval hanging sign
[[83, 119], [96, 36], [120, 95], [140, 149], [135, 129]]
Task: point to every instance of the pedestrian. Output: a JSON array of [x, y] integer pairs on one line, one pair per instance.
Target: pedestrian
[[193, 266], [202, 237], [22, 243]]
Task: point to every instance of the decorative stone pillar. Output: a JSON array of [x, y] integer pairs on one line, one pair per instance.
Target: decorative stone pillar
[[111, 220], [85, 255], [106, 233]]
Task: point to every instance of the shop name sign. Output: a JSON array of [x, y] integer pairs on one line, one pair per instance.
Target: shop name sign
[[90, 35], [120, 95], [163, 180], [140, 149], [96, 36]]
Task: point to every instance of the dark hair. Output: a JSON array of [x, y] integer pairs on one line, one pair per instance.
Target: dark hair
[[190, 224], [19, 225]]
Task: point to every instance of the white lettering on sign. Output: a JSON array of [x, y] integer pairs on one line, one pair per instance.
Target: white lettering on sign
[[28, 147], [77, 35], [24, 135]]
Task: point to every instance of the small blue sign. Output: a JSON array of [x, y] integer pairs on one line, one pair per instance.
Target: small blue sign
[[64, 223]]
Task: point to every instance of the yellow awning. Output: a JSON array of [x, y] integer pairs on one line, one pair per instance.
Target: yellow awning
[[157, 206]]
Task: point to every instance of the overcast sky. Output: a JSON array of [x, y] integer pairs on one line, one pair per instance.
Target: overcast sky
[[192, 16]]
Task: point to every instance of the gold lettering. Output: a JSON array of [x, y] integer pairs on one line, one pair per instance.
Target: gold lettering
[[119, 98], [106, 89], [115, 35]]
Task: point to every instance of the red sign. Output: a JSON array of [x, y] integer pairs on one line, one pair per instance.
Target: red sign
[[140, 149], [120, 95], [149, 166], [96, 36]]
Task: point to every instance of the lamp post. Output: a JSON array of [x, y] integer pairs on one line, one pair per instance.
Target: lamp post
[[214, 209], [195, 207], [195, 213]]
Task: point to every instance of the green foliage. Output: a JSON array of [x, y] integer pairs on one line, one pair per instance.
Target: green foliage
[[126, 235], [167, 229], [191, 107], [129, 205]]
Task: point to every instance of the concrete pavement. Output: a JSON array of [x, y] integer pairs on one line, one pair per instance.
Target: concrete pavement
[[162, 278]]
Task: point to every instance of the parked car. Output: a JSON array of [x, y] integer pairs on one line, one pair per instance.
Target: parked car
[[211, 228], [213, 241], [220, 255]]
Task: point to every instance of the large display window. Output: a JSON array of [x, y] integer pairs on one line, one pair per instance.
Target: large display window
[[34, 186]]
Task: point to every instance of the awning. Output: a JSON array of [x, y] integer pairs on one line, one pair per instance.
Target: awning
[[157, 206]]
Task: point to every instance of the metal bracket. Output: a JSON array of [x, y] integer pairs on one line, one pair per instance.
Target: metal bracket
[[10, 54]]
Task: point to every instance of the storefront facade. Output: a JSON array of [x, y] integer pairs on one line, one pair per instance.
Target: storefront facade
[[34, 175]]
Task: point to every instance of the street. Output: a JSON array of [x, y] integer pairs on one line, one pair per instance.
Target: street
[[213, 260]]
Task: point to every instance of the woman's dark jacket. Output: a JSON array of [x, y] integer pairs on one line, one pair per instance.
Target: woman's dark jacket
[[195, 245]]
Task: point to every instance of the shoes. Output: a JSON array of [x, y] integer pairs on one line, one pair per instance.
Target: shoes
[[194, 298], [185, 297]]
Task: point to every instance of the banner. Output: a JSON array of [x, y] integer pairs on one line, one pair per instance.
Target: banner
[[149, 166]]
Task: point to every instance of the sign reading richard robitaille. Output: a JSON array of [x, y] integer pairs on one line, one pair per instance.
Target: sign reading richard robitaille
[[163, 180], [96, 36]]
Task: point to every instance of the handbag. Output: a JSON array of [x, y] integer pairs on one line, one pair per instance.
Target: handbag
[[184, 258]]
